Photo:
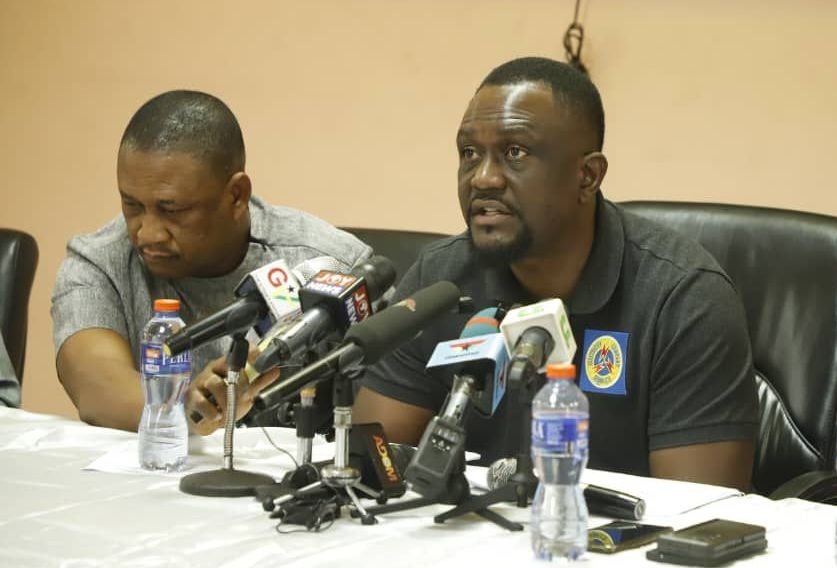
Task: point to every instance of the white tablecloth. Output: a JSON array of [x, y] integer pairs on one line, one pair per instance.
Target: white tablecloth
[[55, 512]]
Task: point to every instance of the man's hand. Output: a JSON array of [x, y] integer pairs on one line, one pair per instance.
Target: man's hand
[[206, 399]]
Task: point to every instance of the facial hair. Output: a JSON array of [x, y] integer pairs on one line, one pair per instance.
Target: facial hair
[[500, 256]]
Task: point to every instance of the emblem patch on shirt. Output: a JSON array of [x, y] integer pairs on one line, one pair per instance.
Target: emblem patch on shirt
[[604, 362]]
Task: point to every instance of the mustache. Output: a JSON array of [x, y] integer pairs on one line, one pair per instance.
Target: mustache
[[479, 201]]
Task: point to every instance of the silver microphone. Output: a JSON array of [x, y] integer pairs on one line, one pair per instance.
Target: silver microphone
[[600, 500]]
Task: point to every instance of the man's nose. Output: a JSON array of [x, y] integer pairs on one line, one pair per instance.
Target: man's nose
[[489, 175], [152, 230]]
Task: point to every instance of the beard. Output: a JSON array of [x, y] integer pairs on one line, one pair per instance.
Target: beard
[[502, 254]]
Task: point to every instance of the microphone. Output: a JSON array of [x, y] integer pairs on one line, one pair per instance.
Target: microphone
[[267, 294], [365, 343], [479, 353], [600, 500], [270, 289], [331, 302], [536, 335], [478, 363]]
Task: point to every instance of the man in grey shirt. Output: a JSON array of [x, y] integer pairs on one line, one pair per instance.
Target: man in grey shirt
[[9, 385], [191, 230]]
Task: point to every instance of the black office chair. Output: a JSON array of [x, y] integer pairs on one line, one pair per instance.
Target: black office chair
[[18, 261], [401, 247], [784, 264]]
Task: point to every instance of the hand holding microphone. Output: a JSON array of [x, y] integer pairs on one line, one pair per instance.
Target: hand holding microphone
[[206, 398], [267, 294]]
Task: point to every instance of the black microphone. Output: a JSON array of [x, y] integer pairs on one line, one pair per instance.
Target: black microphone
[[266, 295], [477, 360], [600, 500], [365, 343], [331, 302]]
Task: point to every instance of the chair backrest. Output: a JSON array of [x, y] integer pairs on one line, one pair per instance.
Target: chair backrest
[[401, 247], [18, 261], [784, 265]]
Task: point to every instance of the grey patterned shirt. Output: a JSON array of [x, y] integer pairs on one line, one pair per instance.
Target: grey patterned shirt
[[102, 283], [9, 385]]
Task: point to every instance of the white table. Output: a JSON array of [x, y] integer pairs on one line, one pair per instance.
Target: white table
[[56, 513]]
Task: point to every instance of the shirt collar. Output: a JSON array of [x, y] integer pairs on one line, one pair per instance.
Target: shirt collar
[[258, 222], [601, 272]]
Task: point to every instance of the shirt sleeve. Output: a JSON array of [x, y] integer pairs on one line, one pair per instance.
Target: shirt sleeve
[[703, 385], [84, 297], [9, 385]]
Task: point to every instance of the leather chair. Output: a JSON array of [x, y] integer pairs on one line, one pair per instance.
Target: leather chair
[[18, 261], [784, 265], [401, 247]]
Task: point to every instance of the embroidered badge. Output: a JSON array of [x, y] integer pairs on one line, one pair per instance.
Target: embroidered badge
[[604, 362]]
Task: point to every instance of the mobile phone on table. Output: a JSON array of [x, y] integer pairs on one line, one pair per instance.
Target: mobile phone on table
[[711, 543], [622, 535]]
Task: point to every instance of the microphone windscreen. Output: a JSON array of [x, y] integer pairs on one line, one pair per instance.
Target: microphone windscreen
[[500, 472], [305, 270], [400, 322], [379, 274]]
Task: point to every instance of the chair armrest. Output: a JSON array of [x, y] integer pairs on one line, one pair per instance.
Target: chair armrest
[[817, 486]]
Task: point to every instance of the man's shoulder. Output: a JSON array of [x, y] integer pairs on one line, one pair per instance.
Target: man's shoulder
[[446, 258], [107, 245], [655, 244], [284, 227]]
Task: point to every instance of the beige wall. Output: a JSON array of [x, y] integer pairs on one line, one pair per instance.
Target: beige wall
[[349, 108]]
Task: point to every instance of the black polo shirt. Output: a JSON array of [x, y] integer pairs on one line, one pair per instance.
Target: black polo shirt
[[663, 353]]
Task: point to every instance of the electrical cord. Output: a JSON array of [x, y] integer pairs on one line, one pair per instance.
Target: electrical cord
[[574, 40]]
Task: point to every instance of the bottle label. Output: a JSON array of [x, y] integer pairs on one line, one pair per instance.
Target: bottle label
[[154, 361], [563, 435]]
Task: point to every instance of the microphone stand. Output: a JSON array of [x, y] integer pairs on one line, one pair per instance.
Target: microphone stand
[[227, 481], [339, 476], [456, 492], [523, 483]]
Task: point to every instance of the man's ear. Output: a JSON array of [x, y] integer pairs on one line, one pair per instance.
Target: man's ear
[[239, 188], [593, 170]]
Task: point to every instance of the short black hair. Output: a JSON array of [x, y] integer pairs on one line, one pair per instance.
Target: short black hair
[[572, 87], [191, 122]]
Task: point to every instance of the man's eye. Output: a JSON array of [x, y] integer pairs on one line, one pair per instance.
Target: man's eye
[[467, 153], [516, 152]]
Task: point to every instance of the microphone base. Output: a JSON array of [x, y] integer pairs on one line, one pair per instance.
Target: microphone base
[[458, 493], [223, 483]]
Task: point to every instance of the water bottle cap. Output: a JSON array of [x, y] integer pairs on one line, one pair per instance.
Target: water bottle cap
[[560, 371], [166, 305]]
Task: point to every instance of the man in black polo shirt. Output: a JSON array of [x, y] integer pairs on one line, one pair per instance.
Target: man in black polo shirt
[[679, 399]]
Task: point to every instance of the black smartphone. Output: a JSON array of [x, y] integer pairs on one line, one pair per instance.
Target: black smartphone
[[621, 535], [710, 543]]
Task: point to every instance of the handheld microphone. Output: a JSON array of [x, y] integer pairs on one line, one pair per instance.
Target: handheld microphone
[[600, 500], [267, 294], [538, 334], [478, 363], [365, 343], [331, 302]]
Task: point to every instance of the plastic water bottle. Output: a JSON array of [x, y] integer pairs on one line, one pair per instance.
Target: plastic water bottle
[[560, 423], [163, 430]]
